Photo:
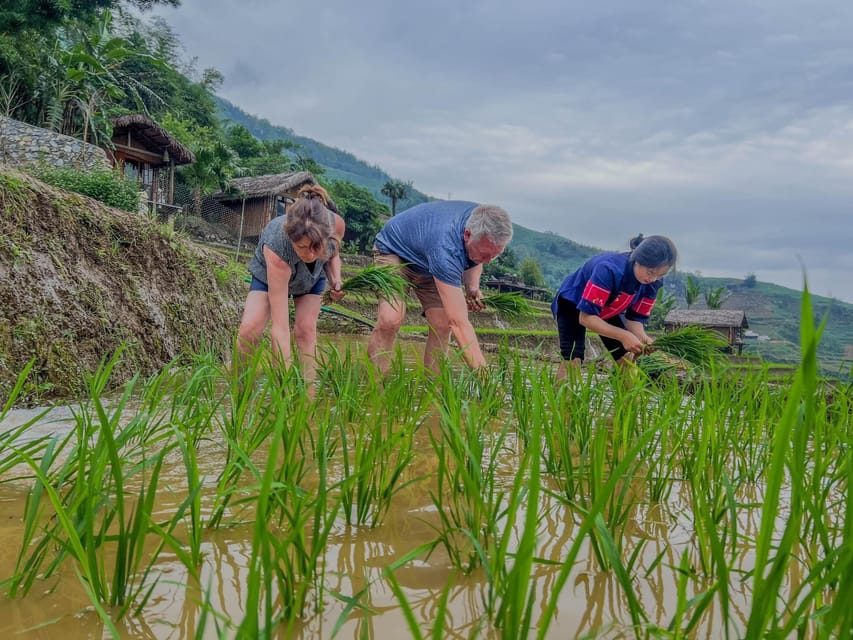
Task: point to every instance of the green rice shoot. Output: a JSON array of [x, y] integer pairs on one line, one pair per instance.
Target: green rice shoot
[[696, 345], [512, 306], [384, 282]]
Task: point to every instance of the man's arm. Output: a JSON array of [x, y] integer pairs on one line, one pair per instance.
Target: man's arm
[[456, 309], [473, 295]]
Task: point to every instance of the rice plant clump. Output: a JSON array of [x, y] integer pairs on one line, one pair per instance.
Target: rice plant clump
[[384, 282], [694, 344], [512, 306]]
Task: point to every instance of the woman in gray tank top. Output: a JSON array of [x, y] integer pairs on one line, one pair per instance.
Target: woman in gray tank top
[[297, 253]]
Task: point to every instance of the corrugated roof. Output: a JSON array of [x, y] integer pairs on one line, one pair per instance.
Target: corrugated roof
[[707, 318], [271, 185]]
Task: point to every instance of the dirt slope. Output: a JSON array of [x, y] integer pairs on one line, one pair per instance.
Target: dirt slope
[[78, 279]]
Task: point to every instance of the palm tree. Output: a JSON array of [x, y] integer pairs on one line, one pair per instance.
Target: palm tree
[[396, 190], [215, 164], [715, 298], [94, 78], [692, 290]]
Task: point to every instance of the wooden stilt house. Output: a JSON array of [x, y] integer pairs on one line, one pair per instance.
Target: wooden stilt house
[[148, 153], [730, 324], [250, 203]]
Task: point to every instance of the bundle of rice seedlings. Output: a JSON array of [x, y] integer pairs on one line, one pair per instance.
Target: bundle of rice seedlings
[[657, 363], [512, 306], [694, 344], [383, 282]]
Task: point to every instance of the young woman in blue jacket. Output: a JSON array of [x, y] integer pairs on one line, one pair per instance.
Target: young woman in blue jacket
[[612, 294]]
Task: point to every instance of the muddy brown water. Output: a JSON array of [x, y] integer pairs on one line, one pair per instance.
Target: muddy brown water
[[355, 558]]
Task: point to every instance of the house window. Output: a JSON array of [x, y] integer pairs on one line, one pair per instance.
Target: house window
[[131, 170]]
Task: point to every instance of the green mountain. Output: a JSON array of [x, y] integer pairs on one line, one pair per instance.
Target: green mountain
[[771, 310], [339, 165]]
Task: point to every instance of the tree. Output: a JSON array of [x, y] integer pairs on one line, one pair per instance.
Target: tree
[[750, 281], [215, 164], [396, 190], [241, 140], [360, 210], [47, 14], [715, 298], [531, 273], [692, 290], [664, 303], [504, 266]]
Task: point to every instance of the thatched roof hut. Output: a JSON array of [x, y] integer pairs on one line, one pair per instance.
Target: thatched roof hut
[[510, 286], [279, 184], [134, 131], [250, 203], [729, 323], [148, 153]]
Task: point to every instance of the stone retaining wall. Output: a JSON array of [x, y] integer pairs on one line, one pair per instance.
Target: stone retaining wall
[[23, 144]]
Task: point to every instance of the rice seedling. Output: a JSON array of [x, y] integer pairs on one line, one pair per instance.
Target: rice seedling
[[588, 522], [256, 390], [511, 306], [468, 497], [694, 344], [384, 282], [96, 518], [657, 364], [753, 475], [17, 437], [789, 455], [511, 596], [375, 456]]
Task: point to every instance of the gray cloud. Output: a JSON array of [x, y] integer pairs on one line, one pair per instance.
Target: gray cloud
[[726, 125]]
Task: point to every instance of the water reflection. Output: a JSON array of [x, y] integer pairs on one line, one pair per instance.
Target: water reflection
[[658, 540]]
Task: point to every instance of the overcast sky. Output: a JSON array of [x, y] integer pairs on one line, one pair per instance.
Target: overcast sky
[[726, 125]]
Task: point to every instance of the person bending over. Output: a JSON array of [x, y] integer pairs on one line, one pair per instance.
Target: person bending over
[[442, 247], [612, 294], [297, 255]]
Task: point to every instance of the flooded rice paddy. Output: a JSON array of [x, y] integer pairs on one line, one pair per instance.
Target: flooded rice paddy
[[418, 506]]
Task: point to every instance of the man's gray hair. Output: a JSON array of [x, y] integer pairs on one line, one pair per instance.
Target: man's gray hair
[[492, 222]]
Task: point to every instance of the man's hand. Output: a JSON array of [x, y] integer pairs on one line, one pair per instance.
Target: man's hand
[[474, 298]]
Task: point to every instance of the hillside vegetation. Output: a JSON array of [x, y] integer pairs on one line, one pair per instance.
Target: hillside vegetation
[[79, 279]]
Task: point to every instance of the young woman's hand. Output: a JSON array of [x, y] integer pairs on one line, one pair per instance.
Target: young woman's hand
[[632, 343]]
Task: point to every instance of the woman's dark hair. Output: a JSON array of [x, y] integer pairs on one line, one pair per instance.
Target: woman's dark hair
[[311, 217], [653, 252]]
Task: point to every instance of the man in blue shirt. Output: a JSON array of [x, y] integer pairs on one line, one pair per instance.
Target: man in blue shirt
[[441, 246]]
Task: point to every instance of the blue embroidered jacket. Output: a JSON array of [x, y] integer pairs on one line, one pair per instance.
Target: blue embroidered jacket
[[605, 286]]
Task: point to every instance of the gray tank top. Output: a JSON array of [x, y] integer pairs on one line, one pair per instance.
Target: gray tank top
[[302, 277]]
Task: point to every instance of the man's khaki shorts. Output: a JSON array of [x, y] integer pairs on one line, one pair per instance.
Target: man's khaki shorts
[[424, 286]]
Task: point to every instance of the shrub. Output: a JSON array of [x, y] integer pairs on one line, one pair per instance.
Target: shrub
[[110, 187]]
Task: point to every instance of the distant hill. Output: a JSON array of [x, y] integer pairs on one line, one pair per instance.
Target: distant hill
[[556, 254], [774, 311], [771, 310], [340, 165]]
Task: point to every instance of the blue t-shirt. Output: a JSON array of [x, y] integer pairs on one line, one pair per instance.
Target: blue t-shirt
[[429, 237], [605, 286]]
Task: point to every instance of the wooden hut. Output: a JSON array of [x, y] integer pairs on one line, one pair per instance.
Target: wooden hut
[[149, 154], [257, 200], [511, 286], [730, 324]]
